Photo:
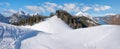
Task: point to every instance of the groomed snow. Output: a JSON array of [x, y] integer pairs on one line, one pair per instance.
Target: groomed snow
[[62, 37]]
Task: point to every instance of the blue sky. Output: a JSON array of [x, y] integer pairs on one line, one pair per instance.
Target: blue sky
[[44, 7]]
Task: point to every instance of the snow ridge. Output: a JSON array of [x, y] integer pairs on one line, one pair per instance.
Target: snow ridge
[[99, 37], [51, 25]]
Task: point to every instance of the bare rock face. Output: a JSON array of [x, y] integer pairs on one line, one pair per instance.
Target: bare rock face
[[113, 19], [75, 22]]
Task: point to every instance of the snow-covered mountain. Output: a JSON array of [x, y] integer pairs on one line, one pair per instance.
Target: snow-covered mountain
[[4, 19], [83, 14], [57, 35], [18, 16], [14, 17], [109, 19], [72, 21], [113, 19], [100, 20], [80, 14]]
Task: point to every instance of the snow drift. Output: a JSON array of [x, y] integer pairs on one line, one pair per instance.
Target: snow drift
[[62, 37]]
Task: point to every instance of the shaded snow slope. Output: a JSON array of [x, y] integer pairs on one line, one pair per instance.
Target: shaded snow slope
[[51, 25], [4, 19], [99, 37], [11, 36]]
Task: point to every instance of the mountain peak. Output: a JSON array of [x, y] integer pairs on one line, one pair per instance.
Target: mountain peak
[[81, 14], [21, 12]]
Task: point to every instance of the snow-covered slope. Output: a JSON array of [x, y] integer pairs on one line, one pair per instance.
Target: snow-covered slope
[[11, 36], [99, 37], [57, 35], [51, 25]]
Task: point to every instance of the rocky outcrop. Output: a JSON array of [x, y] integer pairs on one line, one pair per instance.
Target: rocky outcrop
[[112, 19], [75, 21]]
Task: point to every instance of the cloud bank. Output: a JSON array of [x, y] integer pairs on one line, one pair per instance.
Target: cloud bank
[[69, 7]]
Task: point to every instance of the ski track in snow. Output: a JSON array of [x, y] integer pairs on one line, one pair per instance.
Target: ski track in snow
[[11, 36]]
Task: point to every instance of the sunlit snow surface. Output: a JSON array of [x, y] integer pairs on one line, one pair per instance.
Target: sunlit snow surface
[[57, 35], [62, 37], [11, 36]]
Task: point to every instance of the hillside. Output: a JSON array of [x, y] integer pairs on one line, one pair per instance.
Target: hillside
[[72, 21], [109, 19], [11, 36], [99, 37], [56, 34], [113, 19]]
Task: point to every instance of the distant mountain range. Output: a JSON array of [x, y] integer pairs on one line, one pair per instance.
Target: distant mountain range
[[79, 20], [4, 19], [109, 19]]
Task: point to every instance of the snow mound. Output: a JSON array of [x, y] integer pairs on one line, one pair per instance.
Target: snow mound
[[51, 25], [99, 37]]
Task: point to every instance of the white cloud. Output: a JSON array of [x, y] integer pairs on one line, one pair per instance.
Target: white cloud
[[86, 8], [70, 7], [35, 8], [110, 14], [50, 6], [47, 7], [10, 11], [4, 3], [105, 7], [101, 8]]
